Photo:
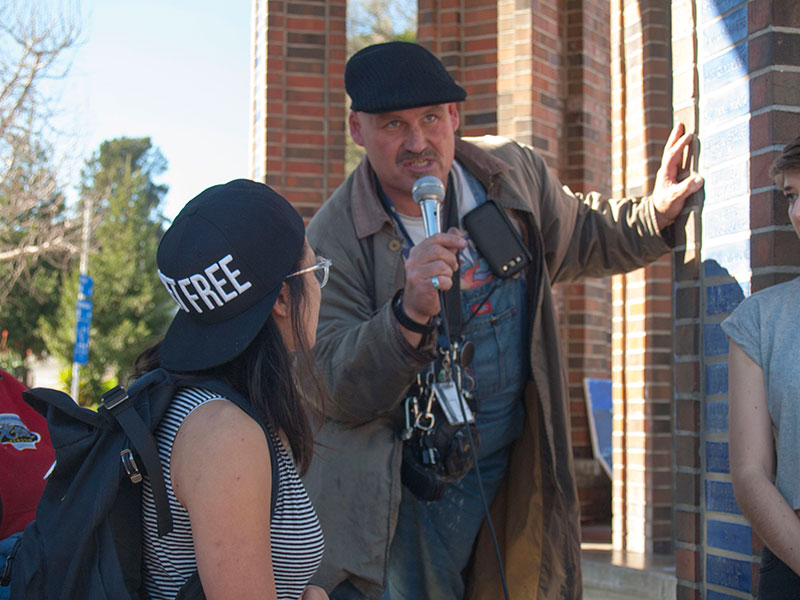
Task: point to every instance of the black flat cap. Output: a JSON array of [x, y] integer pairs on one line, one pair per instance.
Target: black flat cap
[[398, 75]]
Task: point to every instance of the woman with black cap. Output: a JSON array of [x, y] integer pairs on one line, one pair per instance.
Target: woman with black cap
[[247, 284]]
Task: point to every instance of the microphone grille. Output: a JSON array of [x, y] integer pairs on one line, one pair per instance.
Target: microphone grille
[[428, 187]]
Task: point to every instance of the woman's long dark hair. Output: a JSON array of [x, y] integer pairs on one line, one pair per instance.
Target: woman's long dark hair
[[263, 373]]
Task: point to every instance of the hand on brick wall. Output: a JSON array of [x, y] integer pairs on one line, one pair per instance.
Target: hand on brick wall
[[673, 185]]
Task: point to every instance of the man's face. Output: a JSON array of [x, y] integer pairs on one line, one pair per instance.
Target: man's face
[[791, 188], [404, 145]]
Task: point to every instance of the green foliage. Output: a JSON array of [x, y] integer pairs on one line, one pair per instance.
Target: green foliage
[[131, 309], [89, 389], [26, 306]]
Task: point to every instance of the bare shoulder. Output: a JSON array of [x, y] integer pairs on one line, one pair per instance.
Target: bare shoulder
[[216, 444]]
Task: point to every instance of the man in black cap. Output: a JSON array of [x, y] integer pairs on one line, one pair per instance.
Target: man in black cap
[[378, 331]]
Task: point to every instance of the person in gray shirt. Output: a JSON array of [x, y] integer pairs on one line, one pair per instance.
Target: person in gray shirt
[[764, 398]]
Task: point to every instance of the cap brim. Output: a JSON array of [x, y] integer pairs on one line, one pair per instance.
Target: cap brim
[[192, 346]]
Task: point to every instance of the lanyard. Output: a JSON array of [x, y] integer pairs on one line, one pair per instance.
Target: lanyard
[[388, 206]]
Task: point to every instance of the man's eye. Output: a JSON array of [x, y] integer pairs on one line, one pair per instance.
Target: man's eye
[[430, 118], [791, 198], [392, 125]]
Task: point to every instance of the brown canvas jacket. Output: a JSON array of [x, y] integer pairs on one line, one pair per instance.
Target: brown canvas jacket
[[354, 480]]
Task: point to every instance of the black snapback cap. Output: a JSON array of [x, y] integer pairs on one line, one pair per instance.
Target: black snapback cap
[[223, 261]]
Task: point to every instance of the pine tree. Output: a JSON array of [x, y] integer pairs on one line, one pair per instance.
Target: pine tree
[[131, 309]]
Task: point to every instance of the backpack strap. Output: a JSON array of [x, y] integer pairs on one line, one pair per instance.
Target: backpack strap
[[118, 404]]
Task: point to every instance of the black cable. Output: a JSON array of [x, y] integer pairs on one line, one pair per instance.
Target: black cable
[[495, 285], [461, 403]]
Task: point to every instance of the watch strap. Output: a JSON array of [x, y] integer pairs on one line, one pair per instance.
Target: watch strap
[[405, 320]]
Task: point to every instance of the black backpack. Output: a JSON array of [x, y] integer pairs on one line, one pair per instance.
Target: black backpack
[[86, 539]]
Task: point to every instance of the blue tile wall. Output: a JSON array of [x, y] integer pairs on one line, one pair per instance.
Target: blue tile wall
[[719, 497], [731, 181], [725, 220], [730, 143], [730, 536], [723, 70], [717, 460], [725, 162], [729, 573], [717, 378], [729, 104], [716, 417], [713, 8], [711, 268], [724, 32], [722, 299], [715, 342]]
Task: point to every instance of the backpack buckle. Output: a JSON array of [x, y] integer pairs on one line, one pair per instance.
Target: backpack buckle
[[131, 468], [114, 397]]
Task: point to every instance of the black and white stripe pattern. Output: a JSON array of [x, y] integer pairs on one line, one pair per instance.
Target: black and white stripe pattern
[[295, 533]]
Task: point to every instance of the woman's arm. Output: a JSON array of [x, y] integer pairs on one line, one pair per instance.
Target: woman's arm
[[221, 473], [752, 454]]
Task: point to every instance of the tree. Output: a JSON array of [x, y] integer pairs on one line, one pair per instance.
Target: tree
[[35, 231], [131, 308], [375, 21]]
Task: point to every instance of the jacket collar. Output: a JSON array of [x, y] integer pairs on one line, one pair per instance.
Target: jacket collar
[[369, 216]]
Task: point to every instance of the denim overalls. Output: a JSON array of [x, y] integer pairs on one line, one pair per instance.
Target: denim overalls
[[433, 540]]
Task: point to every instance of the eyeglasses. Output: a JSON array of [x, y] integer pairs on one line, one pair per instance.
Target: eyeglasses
[[320, 270]]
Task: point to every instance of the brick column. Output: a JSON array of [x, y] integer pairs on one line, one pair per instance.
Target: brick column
[[643, 485], [586, 167], [299, 114], [530, 82], [463, 34], [688, 330]]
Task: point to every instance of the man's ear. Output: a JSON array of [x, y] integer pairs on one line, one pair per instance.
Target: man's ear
[[281, 309], [355, 128]]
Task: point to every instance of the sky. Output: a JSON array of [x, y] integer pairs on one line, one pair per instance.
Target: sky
[[174, 70]]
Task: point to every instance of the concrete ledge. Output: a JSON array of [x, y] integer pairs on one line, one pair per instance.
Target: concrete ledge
[[616, 575]]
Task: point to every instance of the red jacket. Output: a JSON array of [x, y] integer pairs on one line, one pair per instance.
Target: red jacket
[[26, 455]]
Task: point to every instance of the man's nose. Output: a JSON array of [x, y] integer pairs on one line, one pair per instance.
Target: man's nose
[[415, 140]]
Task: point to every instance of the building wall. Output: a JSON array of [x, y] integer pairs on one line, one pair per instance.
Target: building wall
[[642, 308], [594, 86], [738, 71], [298, 100]]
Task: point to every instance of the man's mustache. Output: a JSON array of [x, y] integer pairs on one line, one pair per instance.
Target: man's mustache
[[426, 154]]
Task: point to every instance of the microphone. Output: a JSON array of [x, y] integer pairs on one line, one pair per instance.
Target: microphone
[[428, 192]]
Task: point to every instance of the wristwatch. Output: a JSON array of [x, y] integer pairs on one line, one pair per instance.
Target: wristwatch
[[405, 320]]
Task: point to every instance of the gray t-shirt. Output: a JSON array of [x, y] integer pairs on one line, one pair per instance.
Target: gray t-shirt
[[766, 326]]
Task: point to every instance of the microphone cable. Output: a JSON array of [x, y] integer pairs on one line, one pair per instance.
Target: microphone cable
[[461, 402]]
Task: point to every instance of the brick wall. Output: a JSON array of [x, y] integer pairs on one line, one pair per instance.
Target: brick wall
[[463, 34], [642, 366], [301, 99], [688, 333], [586, 167]]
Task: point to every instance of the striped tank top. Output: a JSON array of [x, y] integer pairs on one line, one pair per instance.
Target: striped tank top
[[295, 533]]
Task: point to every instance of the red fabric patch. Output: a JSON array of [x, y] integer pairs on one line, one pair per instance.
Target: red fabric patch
[[485, 309]]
